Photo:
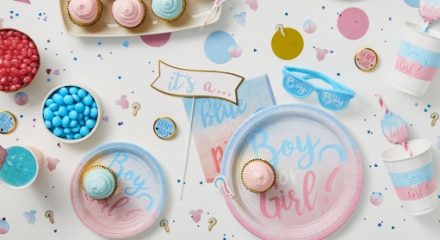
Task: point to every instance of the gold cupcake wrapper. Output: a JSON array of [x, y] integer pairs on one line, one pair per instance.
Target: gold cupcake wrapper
[[89, 24], [104, 167], [142, 21], [99, 16], [260, 160], [171, 19]]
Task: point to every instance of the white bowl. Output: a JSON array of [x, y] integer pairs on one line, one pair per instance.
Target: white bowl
[[73, 125]]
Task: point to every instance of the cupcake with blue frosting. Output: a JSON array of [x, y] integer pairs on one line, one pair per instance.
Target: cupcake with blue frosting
[[168, 10], [99, 182]]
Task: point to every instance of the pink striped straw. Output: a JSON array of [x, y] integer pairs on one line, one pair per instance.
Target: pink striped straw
[[382, 104]]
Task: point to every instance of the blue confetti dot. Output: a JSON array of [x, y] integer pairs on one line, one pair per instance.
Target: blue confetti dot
[[217, 45], [412, 3]]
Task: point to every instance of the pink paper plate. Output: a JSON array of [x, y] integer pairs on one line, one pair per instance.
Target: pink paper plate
[[318, 168], [138, 200]]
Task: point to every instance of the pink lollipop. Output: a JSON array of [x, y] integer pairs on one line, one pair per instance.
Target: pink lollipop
[[393, 127]]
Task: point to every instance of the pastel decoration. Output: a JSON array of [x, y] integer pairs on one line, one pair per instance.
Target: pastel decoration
[[140, 197], [196, 215], [235, 51], [7, 122], [412, 3], [21, 98], [413, 176], [4, 226], [165, 128], [287, 43], [376, 198], [366, 59], [430, 11], [418, 59], [318, 168], [353, 23], [219, 119], [30, 216], [156, 40], [217, 46], [393, 127], [299, 83], [309, 26], [197, 83]]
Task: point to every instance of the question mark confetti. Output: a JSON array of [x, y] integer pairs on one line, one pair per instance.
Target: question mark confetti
[[434, 117], [164, 223], [49, 214], [212, 222], [136, 106], [221, 182]]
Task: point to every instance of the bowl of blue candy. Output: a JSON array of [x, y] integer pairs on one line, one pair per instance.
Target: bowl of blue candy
[[71, 113]]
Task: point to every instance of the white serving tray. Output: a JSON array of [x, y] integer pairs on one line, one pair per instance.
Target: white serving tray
[[197, 13]]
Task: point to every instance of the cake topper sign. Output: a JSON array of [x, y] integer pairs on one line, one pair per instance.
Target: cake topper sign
[[197, 83], [430, 11]]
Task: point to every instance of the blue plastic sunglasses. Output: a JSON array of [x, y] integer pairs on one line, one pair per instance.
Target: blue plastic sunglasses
[[335, 99]]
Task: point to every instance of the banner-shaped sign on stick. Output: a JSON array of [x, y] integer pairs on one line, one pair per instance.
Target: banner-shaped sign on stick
[[197, 83]]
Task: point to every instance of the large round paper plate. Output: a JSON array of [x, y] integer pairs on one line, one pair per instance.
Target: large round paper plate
[[319, 173], [138, 200]]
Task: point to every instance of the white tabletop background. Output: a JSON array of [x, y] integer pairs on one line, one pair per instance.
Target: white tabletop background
[[117, 66]]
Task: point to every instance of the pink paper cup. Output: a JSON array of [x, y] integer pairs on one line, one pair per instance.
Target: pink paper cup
[[412, 176], [418, 59], [21, 166]]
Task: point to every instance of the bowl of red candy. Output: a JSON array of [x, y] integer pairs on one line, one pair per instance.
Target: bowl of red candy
[[19, 60]]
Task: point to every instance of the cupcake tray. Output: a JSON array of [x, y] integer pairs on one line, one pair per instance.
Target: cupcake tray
[[318, 167], [139, 197], [197, 13]]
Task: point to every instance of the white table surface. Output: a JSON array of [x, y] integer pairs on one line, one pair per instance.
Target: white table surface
[[98, 62]]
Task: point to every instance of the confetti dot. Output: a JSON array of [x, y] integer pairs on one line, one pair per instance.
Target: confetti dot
[[353, 23], [156, 40], [21, 98]]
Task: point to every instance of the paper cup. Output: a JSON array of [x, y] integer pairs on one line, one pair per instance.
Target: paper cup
[[21, 167], [418, 59], [413, 177]]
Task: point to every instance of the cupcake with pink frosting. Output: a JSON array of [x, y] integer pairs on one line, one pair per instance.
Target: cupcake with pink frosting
[[84, 13], [129, 13], [258, 175]]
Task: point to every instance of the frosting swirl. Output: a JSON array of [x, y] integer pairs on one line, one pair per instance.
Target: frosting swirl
[[128, 13], [99, 183], [167, 9], [83, 11], [258, 175]]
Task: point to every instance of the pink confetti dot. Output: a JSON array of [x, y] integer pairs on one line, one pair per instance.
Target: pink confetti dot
[[353, 23]]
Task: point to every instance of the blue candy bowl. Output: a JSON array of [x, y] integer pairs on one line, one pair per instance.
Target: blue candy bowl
[[71, 113]]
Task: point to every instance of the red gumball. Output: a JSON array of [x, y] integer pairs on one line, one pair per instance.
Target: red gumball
[[19, 60]]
